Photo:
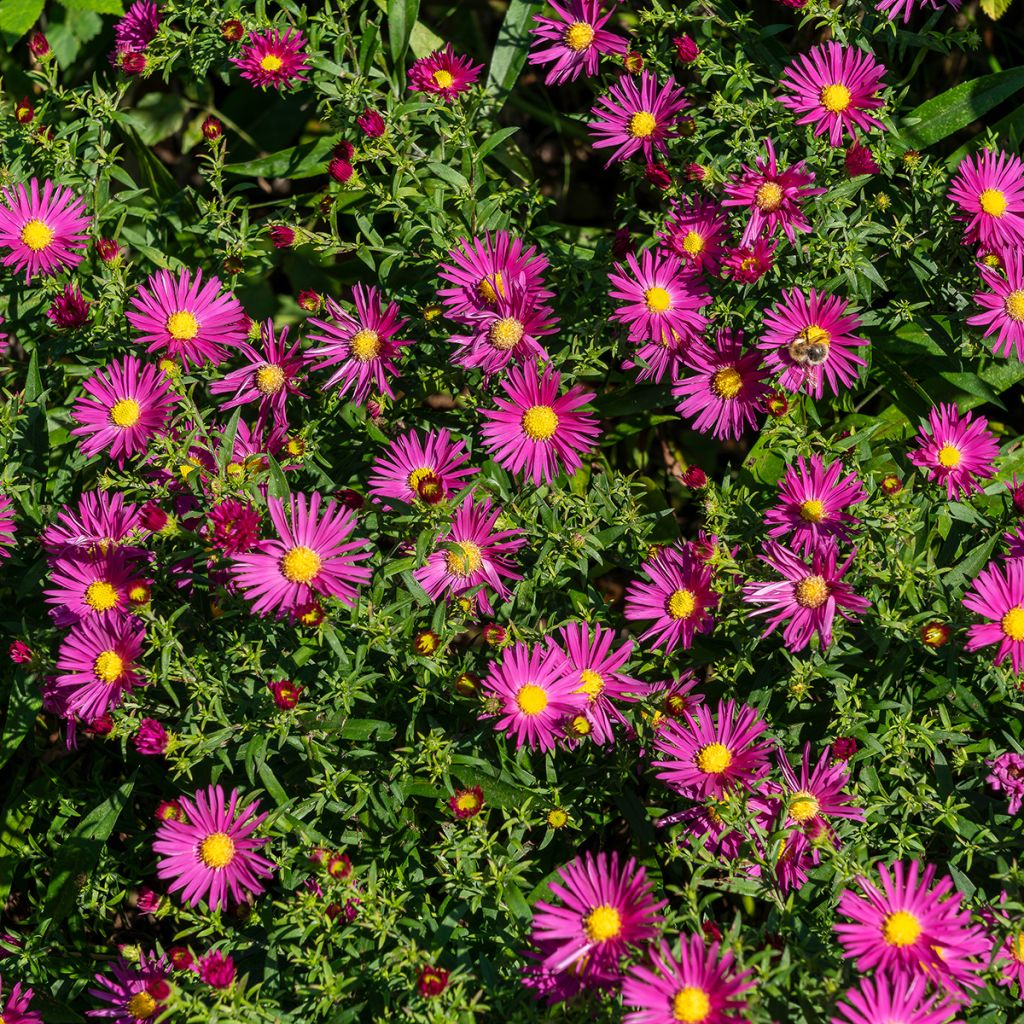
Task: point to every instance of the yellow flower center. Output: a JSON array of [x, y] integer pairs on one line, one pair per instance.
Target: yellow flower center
[[1014, 306], [580, 726], [36, 235], [182, 325], [300, 564], [464, 561], [815, 335], [642, 124], [142, 1006], [467, 802], [125, 413], [993, 202], [491, 287], [365, 345], [217, 850], [557, 818], [949, 456], [109, 666], [506, 333], [1012, 624], [269, 379], [540, 422], [768, 197], [591, 684], [443, 79], [168, 367], [693, 243], [602, 923], [1017, 948], [803, 806], [714, 758], [812, 511], [901, 928], [835, 98], [100, 596], [811, 592], [681, 604], [532, 699], [658, 300], [579, 35], [417, 476], [271, 62], [691, 1005], [727, 382]]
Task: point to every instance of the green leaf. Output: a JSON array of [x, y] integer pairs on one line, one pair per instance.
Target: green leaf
[[18, 16], [495, 140], [99, 6], [401, 20], [305, 161], [278, 484], [995, 9], [23, 705], [511, 48], [157, 115]]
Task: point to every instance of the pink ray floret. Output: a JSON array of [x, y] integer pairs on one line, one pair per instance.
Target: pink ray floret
[[43, 230]]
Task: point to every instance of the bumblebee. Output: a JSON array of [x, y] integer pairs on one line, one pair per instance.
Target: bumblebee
[[810, 347]]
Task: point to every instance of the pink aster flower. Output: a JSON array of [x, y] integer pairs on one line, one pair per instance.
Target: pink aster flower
[[699, 987], [126, 405], [1010, 958], [444, 74], [637, 119], [430, 467], [233, 527], [96, 664], [479, 269], [695, 231], [535, 431], [134, 993], [83, 587], [893, 8], [749, 263], [813, 503], [708, 755], [7, 527], [137, 29], [274, 58], [911, 928], [727, 389], [213, 853], [534, 692], [16, 1009], [185, 319], [554, 987], [605, 907], [678, 601], [811, 799], [473, 554], [100, 519], [997, 594], [773, 197], [1007, 777], [1003, 307], [859, 160], [362, 347], [891, 998], [42, 231], [955, 450], [808, 597], [151, 738], [310, 557], [268, 377], [989, 190], [833, 87], [217, 970], [809, 339], [69, 310], [577, 38]]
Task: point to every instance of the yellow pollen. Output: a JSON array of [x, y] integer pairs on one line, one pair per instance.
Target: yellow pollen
[[691, 1005], [271, 62], [602, 923], [506, 333], [1013, 304], [532, 699], [580, 726], [681, 604], [591, 684], [812, 511], [901, 928], [658, 300], [168, 367], [269, 379], [993, 202], [1017, 948], [417, 476], [36, 235], [726, 383], [540, 422], [300, 564], [1012, 624], [714, 758], [642, 124], [365, 345], [467, 802], [125, 413], [768, 197], [811, 592], [182, 325], [579, 35], [465, 561], [557, 818], [109, 666], [217, 850], [803, 806], [100, 596], [949, 456], [142, 1006], [815, 335], [693, 243], [491, 287], [443, 79], [835, 98]]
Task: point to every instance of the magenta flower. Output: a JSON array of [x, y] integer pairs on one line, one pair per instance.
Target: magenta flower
[[911, 928], [217, 970], [1007, 777], [129, 993], [1010, 958], [212, 853], [474, 554], [430, 467], [362, 347], [997, 594], [592, 974], [696, 231], [707, 756], [637, 119], [535, 431], [893, 8], [956, 451], [989, 190], [809, 800], [43, 232], [274, 58], [69, 310], [136, 30], [809, 339], [101, 519], [577, 38], [859, 160], [813, 503], [1003, 306], [311, 556], [808, 596], [893, 999], [534, 692], [444, 74], [727, 389], [151, 738], [699, 987], [126, 405], [81, 588], [678, 602], [7, 526], [749, 263], [233, 527], [185, 319], [833, 87], [16, 1009]]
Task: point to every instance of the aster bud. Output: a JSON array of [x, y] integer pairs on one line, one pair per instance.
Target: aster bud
[[285, 693], [935, 634], [282, 236], [426, 642], [343, 150], [622, 244], [891, 485], [371, 123], [38, 45], [310, 301], [24, 112], [467, 684], [340, 170], [686, 49], [212, 129], [232, 30], [843, 748], [109, 251], [695, 478], [634, 62], [658, 176], [131, 62]]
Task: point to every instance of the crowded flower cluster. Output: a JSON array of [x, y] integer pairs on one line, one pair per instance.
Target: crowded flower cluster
[[418, 606]]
